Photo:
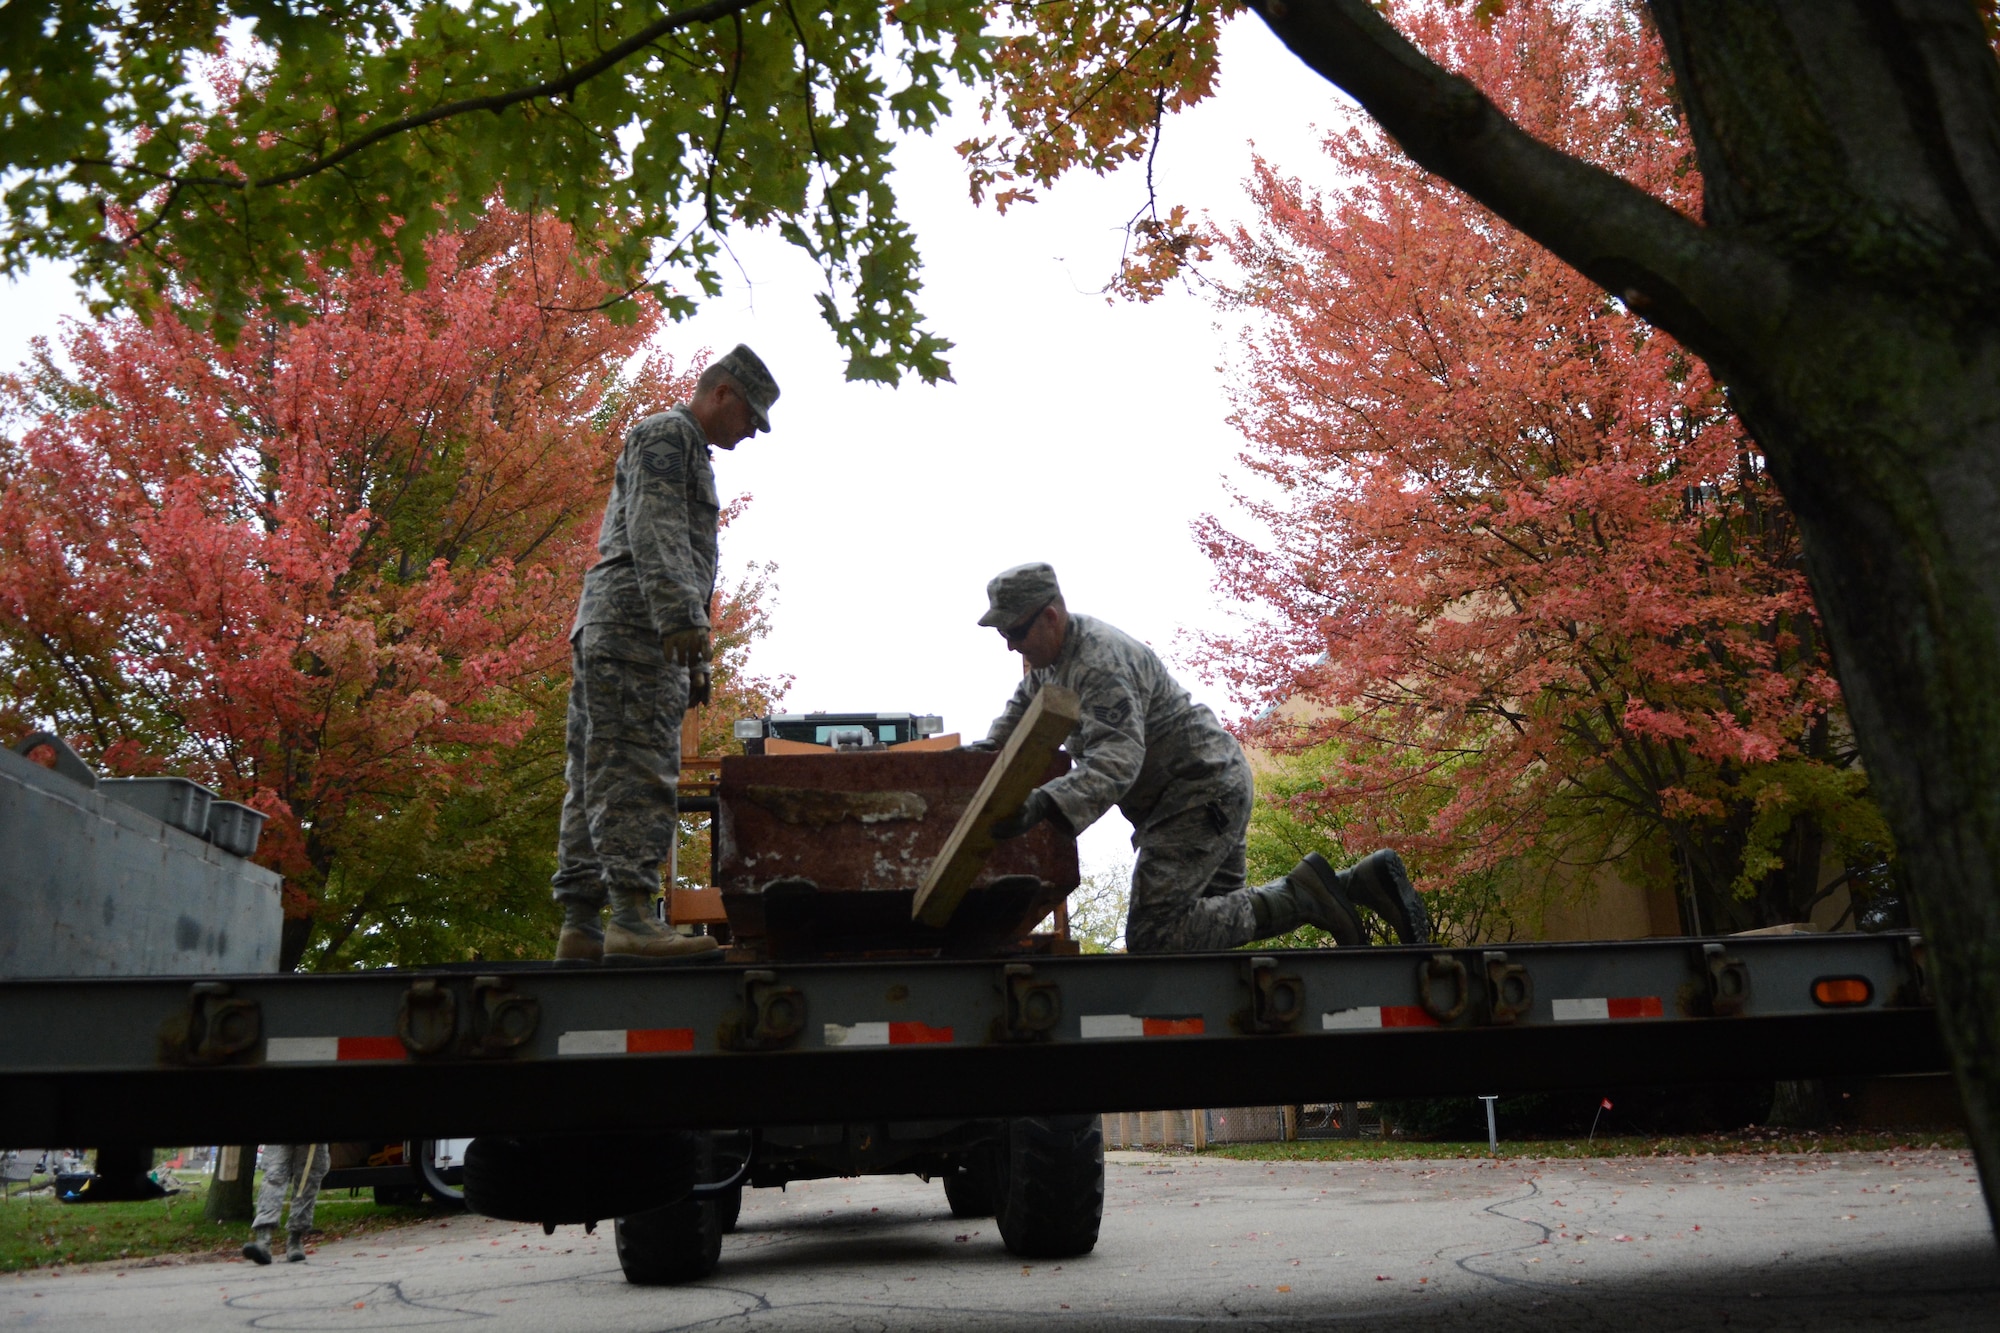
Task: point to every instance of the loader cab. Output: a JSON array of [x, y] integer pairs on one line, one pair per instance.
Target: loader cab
[[796, 733]]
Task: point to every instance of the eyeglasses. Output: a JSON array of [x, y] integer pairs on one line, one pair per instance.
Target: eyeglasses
[[1019, 632]]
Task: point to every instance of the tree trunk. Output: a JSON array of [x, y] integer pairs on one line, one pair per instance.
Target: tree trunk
[[293, 937], [233, 1202], [123, 1172], [1858, 142], [1798, 1104], [1846, 287], [1889, 449]]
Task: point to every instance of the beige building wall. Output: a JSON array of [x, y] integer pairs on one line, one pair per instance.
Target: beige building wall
[[1605, 906]]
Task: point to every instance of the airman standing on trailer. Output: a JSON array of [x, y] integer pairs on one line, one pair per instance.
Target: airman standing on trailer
[[640, 652]]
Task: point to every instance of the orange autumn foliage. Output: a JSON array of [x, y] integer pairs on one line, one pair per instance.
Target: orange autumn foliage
[[1510, 549], [330, 570]]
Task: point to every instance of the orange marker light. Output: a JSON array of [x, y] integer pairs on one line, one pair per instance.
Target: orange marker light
[[1837, 992]]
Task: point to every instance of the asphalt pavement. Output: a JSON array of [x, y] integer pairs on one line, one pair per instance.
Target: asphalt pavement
[[1780, 1242]]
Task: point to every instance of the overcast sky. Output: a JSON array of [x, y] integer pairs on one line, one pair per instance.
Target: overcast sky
[[1079, 432]]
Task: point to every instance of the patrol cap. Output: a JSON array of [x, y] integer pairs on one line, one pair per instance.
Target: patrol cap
[[1014, 594], [759, 389]]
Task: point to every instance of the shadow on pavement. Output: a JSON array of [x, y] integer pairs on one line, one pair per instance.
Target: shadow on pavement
[[1951, 1286]]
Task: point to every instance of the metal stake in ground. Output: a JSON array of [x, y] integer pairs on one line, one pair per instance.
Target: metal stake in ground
[[1603, 1105]]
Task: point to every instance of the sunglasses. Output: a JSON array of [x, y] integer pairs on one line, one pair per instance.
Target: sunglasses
[[1020, 631]]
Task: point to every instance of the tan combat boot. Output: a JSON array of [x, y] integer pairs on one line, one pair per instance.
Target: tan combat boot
[[579, 946], [582, 938], [258, 1249], [1314, 894], [634, 937], [1380, 881]]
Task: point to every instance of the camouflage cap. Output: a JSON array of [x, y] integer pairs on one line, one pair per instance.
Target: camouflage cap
[[759, 389], [1014, 594]]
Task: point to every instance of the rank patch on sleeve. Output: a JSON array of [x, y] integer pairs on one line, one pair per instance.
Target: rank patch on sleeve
[[1112, 715], [662, 459]]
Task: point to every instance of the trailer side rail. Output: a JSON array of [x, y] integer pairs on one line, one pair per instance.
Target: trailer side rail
[[466, 1050]]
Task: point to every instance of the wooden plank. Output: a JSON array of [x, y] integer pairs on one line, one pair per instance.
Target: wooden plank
[[1052, 714]]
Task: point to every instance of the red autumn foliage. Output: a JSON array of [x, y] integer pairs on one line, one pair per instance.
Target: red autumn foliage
[[1520, 571], [329, 570]]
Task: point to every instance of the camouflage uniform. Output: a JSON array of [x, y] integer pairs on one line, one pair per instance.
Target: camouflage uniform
[[283, 1161], [1167, 764], [656, 575]]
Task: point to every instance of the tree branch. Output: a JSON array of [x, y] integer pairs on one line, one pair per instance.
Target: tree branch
[[1716, 294], [565, 82]]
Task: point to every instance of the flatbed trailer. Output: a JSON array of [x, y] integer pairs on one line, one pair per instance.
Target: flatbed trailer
[[848, 1033], [484, 1049]]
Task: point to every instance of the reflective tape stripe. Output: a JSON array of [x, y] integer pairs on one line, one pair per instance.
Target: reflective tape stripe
[[314, 1050], [300, 1050], [625, 1041], [1173, 1027], [1377, 1016], [373, 1048], [1139, 1025], [1591, 1008], [656, 1041], [1113, 1025], [885, 1034]]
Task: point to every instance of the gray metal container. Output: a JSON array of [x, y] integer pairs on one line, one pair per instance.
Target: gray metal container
[[234, 827], [174, 801], [96, 888]]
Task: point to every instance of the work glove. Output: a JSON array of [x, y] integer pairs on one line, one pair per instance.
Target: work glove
[[699, 682], [1039, 806], [685, 647]]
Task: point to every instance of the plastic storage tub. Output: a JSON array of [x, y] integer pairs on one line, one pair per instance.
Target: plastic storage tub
[[234, 827], [176, 801]]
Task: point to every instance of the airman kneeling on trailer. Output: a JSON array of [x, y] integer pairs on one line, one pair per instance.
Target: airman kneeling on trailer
[[1167, 764]]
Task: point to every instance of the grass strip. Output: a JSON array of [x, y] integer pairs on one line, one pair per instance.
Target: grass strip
[[36, 1231]]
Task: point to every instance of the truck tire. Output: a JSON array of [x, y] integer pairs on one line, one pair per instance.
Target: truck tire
[[728, 1207], [580, 1178], [664, 1246], [1050, 1186], [678, 1243], [969, 1189]]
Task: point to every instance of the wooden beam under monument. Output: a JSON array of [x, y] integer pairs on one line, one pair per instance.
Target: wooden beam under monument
[[1051, 716]]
